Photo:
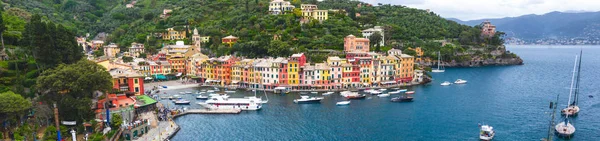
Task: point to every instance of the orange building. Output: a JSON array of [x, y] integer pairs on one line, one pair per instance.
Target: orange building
[[353, 44]]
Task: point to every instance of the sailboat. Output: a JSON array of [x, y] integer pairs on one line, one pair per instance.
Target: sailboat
[[573, 109], [566, 129], [438, 64]]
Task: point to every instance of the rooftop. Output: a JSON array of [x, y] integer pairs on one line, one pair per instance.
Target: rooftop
[[119, 72]]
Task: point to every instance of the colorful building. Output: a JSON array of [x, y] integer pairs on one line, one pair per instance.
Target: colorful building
[[127, 80], [172, 34], [111, 50], [407, 63], [230, 40], [353, 44], [310, 11], [277, 7], [295, 62], [335, 63], [487, 29], [136, 49]]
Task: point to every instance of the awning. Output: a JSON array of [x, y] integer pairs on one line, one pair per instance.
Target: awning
[[366, 84], [148, 78], [178, 74], [235, 82], [69, 123]]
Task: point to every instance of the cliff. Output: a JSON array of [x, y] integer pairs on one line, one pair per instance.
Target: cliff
[[477, 57]]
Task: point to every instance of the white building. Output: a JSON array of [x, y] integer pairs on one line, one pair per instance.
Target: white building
[[309, 75], [277, 7], [368, 32], [136, 49]]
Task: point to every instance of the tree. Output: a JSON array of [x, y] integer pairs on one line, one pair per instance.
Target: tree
[[410, 52], [142, 55], [127, 59], [375, 40], [116, 121], [2, 29], [278, 48], [71, 87], [12, 104]]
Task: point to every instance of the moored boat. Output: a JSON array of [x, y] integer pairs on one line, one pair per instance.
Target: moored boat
[[328, 93], [224, 102], [383, 95], [182, 102], [410, 92], [188, 92], [347, 102], [394, 92], [402, 99], [460, 81], [308, 99], [382, 90], [356, 96], [564, 130], [230, 91], [486, 133], [375, 92], [181, 93], [446, 83], [202, 97]]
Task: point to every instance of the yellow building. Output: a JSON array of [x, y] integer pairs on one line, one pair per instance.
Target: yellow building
[[310, 11], [172, 34], [111, 50], [323, 75], [407, 64], [293, 75]]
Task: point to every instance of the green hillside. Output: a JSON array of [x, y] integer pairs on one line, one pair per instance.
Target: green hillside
[[249, 20]]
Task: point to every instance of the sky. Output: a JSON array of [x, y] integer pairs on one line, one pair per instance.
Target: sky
[[484, 9]]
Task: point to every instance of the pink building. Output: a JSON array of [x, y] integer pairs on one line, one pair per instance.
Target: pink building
[[487, 29], [353, 44]]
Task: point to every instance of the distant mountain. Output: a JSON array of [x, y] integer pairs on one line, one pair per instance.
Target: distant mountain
[[550, 25]]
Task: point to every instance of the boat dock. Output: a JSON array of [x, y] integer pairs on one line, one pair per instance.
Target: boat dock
[[208, 111]]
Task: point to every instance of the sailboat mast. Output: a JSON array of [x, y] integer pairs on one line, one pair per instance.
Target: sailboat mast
[[571, 89], [577, 82], [439, 59]]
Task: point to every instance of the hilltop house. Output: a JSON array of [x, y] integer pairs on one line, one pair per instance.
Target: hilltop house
[[111, 50], [277, 7], [310, 11], [368, 32], [487, 29], [353, 44], [172, 34]]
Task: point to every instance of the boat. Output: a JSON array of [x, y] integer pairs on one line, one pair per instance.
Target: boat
[[410, 92], [224, 102], [164, 86], [182, 102], [210, 91], [572, 109], [174, 97], [402, 99], [403, 90], [590, 96], [356, 96], [188, 92], [486, 133], [394, 92], [181, 93], [328, 93], [446, 83], [438, 65], [460, 81], [395, 88], [383, 95], [308, 99], [341, 103], [566, 129], [202, 97], [230, 91], [375, 92], [314, 92], [382, 90]]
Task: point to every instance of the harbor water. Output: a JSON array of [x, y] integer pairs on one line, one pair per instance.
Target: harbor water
[[512, 99]]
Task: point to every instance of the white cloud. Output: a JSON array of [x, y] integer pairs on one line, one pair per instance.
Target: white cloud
[[479, 9]]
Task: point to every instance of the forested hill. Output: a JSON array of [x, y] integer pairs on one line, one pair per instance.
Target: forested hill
[[249, 20]]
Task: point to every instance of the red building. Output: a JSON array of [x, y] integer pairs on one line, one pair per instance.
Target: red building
[[127, 80]]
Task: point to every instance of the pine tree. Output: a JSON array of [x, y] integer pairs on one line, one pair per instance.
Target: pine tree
[[2, 29]]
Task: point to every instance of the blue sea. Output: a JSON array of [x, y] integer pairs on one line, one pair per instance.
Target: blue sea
[[512, 99]]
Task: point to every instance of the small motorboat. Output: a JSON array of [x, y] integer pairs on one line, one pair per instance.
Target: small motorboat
[[188, 92], [210, 91], [375, 92], [341, 103], [410, 92], [181, 93], [486, 133], [395, 88], [328, 93], [314, 92], [446, 83], [182, 102], [460, 81], [230, 91], [590, 96], [383, 95], [356, 96], [164, 86], [202, 97], [403, 90], [394, 92], [308, 99], [402, 99], [382, 90]]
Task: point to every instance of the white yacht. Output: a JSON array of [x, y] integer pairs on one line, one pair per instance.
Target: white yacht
[[394, 92], [328, 93], [224, 102], [308, 99], [188, 92], [446, 83], [486, 133], [460, 81], [565, 130], [375, 92], [382, 90]]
